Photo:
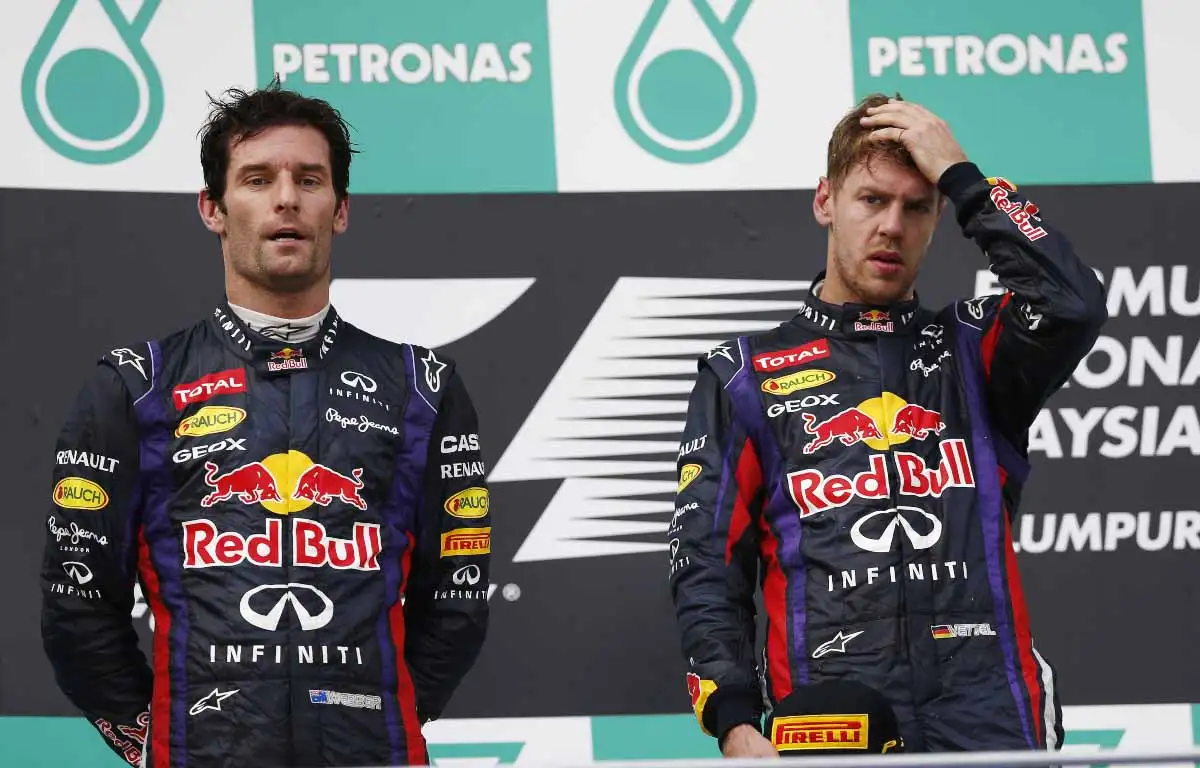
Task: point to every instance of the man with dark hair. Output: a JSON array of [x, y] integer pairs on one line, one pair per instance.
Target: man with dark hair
[[865, 460], [303, 503]]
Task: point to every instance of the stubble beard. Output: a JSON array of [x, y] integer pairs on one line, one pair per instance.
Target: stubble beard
[[300, 272], [862, 289]]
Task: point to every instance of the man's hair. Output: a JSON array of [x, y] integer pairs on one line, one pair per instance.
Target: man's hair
[[851, 143], [247, 113]]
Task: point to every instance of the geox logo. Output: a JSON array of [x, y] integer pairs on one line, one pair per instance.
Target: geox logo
[[611, 432]]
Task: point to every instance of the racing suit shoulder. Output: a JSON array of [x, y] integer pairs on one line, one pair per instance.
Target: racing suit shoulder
[[725, 359], [734, 357], [136, 365], [431, 370]]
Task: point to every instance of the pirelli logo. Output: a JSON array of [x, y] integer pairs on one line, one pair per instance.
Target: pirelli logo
[[800, 732], [467, 541]]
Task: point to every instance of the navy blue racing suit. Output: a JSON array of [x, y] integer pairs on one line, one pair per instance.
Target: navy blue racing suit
[[863, 465], [309, 524]]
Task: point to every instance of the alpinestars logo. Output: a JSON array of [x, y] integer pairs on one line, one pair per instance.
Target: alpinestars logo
[[608, 424]]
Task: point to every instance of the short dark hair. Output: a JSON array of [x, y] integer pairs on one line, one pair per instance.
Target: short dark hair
[[246, 113], [851, 143]]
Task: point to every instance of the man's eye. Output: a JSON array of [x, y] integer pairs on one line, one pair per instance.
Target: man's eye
[[873, 199]]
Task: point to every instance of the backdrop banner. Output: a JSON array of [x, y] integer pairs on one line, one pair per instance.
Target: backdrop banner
[[562, 307]]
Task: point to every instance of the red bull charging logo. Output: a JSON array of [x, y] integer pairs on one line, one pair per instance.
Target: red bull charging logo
[[875, 320], [287, 359], [880, 422], [283, 483]]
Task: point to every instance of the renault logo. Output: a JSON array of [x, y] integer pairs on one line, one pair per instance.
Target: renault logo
[[285, 596], [882, 543], [356, 380]]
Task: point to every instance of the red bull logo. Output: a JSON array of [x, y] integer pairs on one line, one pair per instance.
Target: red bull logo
[[875, 320], [287, 359], [1021, 214], [249, 483], [880, 422], [813, 491], [850, 426], [918, 422], [204, 546], [283, 483], [769, 362], [1000, 181], [321, 485]]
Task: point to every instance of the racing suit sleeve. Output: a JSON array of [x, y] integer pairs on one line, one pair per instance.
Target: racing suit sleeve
[[446, 607], [89, 565], [714, 560], [1052, 308]]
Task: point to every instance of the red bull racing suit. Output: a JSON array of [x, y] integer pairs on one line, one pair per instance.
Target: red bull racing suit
[[864, 466], [309, 525]]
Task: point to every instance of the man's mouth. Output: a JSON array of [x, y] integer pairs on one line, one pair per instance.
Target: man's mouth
[[886, 257], [285, 234]]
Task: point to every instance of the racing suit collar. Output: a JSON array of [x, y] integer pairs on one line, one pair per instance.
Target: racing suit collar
[[856, 320], [273, 357]]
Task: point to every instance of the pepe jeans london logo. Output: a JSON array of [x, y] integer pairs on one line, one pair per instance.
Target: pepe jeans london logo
[[683, 90], [90, 90]]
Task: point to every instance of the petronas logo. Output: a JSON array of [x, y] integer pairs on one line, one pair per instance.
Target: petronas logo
[[683, 90], [90, 89]]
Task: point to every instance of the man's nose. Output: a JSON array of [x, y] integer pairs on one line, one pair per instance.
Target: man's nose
[[892, 223], [287, 192]]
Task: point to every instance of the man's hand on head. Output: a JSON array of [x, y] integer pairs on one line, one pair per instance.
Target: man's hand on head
[[925, 135]]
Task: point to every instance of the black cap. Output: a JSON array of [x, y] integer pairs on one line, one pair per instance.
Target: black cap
[[834, 717]]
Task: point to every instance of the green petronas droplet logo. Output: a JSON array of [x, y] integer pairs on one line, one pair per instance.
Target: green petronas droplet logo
[[91, 104], [684, 104]]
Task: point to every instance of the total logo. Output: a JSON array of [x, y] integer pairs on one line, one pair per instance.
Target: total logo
[[227, 382], [295, 474], [880, 422], [769, 362]]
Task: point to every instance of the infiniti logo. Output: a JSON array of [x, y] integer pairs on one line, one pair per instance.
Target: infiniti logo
[[270, 620], [78, 571], [883, 542], [356, 380], [468, 574]]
